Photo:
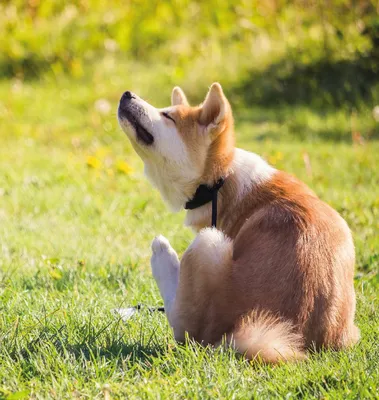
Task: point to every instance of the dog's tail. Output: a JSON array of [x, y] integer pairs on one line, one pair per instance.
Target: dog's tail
[[260, 335]]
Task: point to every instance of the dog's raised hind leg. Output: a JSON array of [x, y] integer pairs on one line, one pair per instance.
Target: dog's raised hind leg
[[165, 267]]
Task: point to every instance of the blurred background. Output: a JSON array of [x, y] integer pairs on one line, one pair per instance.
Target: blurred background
[[319, 53]]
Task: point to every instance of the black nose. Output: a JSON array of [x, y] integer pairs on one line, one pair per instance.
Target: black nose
[[127, 96]]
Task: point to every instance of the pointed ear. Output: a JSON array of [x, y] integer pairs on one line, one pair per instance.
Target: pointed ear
[[178, 97], [215, 109]]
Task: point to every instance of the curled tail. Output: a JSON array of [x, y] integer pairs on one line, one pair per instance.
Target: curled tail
[[260, 335]]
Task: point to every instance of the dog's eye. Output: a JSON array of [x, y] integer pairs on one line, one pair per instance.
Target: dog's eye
[[168, 117]]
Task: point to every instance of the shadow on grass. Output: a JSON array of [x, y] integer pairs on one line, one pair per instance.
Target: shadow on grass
[[305, 123], [326, 100], [318, 388], [324, 83], [130, 352], [94, 346]]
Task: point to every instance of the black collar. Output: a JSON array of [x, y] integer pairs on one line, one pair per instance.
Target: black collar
[[204, 194]]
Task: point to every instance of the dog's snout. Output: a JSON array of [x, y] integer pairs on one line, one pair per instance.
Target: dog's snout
[[127, 96]]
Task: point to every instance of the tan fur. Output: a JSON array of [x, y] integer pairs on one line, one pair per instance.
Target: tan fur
[[292, 255], [277, 276], [260, 335]]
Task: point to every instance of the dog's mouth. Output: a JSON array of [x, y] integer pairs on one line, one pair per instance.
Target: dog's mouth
[[142, 134]]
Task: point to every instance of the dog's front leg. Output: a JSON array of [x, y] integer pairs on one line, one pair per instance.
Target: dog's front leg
[[165, 266]]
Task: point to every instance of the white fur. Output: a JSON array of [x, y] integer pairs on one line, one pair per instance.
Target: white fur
[[165, 267], [168, 165], [249, 170], [213, 248], [167, 141], [173, 183]]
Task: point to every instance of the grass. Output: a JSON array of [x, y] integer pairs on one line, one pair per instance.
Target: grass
[[76, 221]]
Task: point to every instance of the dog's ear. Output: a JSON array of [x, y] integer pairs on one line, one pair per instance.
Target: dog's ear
[[178, 97], [215, 111]]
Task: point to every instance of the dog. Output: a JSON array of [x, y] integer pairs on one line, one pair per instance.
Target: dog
[[275, 278]]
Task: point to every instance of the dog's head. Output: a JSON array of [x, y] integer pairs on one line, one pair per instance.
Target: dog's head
[[181, 146]]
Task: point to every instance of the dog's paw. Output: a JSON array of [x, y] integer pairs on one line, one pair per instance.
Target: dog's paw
[[165, 268], [159, 244], [164, 258]]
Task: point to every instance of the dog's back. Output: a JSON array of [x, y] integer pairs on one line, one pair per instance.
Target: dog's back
[[287, 276], [296, 256]]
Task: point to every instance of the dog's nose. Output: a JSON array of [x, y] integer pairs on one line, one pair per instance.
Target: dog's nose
[[127, 96]]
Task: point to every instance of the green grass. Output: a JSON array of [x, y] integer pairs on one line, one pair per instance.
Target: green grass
[[75, 233]]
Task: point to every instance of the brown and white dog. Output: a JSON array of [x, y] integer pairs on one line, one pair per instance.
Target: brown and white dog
[[276, 277]]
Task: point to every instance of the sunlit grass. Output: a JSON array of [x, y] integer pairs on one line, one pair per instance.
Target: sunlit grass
[[76, 221]]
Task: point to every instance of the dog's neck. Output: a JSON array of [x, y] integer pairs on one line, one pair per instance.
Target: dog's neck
[[247, 172]]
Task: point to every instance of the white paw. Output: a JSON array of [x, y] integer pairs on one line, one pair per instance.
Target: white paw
[[165, 268], [164, 257], [160, 243]]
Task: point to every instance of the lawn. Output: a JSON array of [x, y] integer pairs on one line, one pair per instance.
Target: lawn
[[77, 218]]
